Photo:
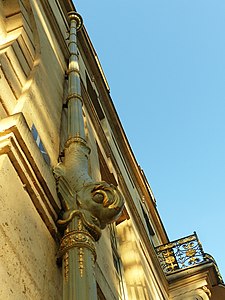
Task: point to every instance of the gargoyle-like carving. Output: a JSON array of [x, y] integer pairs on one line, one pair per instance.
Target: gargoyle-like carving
[[97, 203], [103, 200]]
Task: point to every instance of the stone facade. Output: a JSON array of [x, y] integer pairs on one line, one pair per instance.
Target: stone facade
[[38, 124]]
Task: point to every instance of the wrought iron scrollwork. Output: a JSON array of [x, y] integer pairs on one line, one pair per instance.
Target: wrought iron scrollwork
[[180, 254], [184, 253]]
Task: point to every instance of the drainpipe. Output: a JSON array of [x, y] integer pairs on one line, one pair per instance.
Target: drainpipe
[[88, 205]]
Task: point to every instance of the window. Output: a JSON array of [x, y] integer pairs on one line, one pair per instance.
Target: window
[[94, 98], [117, 262], [40, 144], [106, 175], [150, 229], [123, 161]]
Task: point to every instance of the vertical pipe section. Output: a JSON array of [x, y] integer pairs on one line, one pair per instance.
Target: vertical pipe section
[[77, 246], [74, 100], [79, 257]]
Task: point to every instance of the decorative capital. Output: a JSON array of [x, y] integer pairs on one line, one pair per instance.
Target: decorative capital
[[78, 239], [73, 15]]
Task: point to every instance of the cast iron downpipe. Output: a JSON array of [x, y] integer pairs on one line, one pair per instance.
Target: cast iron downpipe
[[88, 205]]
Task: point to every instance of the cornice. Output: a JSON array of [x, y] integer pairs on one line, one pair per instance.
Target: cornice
[[205, 271], [67, 6], [197, 280]]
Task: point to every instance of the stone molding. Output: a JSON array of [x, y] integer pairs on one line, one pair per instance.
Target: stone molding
[[201, 293], [18, 50], [16, 141]]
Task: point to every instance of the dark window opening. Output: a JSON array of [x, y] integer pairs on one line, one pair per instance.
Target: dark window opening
[[150, 229], [94, 99], [117, 262], [122, 159], [106, 175]]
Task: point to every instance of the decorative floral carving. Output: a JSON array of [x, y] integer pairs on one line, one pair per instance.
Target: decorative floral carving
[[78, 239]]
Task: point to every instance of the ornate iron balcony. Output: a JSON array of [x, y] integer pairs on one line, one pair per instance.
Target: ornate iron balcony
[[182, 254]]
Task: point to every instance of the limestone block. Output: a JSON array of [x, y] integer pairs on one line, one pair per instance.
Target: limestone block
[[28, 267]]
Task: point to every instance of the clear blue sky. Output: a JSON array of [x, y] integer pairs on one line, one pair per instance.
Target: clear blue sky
[[165, 64]]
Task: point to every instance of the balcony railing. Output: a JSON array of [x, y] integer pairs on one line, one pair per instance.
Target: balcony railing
[[182, 254]]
